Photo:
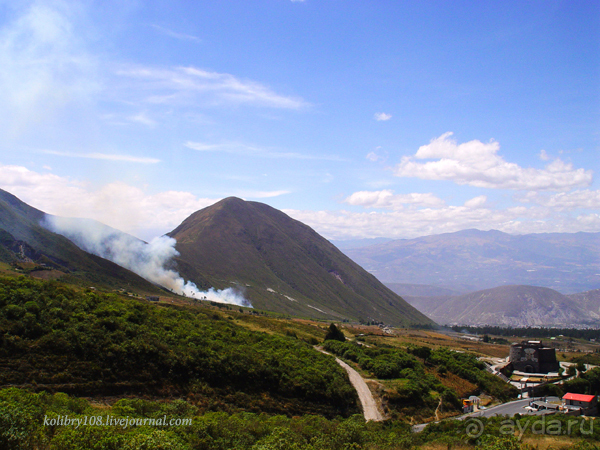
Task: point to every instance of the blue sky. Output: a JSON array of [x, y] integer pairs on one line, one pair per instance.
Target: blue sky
[[362, 119]]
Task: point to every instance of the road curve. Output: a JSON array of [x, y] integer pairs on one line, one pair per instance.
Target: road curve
[[369, 406], [508, 409]]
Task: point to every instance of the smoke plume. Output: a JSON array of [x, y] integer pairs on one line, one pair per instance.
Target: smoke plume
[[148, 260]]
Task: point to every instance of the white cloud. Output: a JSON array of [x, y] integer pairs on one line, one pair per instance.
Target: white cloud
[[238, 148], [476, 202], [105, 157], [579, 199], [388, 200], [119, 205], [191, 85], [381, 116], [175, 34], [589, 222], [147, 215], [143, 118], [43, 66], [477, 164], [372, 156], [543, 155], [410, 223], [377, 155], [262, 194]]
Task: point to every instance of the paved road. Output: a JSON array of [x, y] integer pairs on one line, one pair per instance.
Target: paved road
[[508, 409], [369, 405]]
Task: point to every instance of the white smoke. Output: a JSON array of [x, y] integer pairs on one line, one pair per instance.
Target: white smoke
[[148, 260]]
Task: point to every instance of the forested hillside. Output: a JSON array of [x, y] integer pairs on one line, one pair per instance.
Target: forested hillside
[[93, 344]]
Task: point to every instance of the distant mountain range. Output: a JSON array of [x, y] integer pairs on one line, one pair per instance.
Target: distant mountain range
[[514, 306], [282, 265], [472, 260]]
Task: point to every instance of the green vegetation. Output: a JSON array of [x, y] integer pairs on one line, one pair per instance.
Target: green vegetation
[[530, 332], [418, 374], [244, 381], [334, 333], [284, 265], [30, 421], [590, 358], [89, 343], [586, 383], [22, 238]]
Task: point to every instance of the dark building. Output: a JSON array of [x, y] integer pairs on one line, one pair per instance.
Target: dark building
[[533, 357]]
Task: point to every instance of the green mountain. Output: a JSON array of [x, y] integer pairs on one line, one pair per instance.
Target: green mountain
[[23, 239], [281, 264]]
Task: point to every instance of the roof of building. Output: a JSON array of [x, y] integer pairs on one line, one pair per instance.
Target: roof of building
[[545, 405], [579, 397]]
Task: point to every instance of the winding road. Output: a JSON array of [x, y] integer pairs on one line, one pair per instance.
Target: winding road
[[369, 405]]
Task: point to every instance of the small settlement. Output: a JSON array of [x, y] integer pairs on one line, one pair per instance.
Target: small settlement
[[531, 365]]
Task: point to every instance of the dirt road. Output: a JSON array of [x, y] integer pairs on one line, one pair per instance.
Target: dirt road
[[369, 406]]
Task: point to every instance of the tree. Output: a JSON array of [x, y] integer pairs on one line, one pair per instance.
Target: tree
[[581, 367], [333, 333]]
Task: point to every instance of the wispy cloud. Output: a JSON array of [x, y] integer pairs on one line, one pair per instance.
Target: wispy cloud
[[262, 194], [190, 85], [381, 116], [476, 163], [409, 223], [143, 119], [251, 150], [388, 200], [120, 205], [565, 201], [105, 157], [377, 155], [176, 35], [44, 66]]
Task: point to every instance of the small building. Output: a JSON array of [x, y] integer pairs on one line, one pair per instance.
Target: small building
[[470, 404], [152, 298], [541, 405], [588, 404], [533, 357]]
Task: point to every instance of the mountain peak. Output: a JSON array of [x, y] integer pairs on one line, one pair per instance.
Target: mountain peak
[[231, 201], [282, 265]]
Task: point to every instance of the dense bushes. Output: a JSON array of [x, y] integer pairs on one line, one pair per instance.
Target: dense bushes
[[26, 424], [417, 386], [89, 343], [468, 367], [585, 383]]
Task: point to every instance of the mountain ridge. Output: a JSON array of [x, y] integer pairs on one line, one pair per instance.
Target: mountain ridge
[[514, 306], [471, 260], [283, 264], [21, 228]]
